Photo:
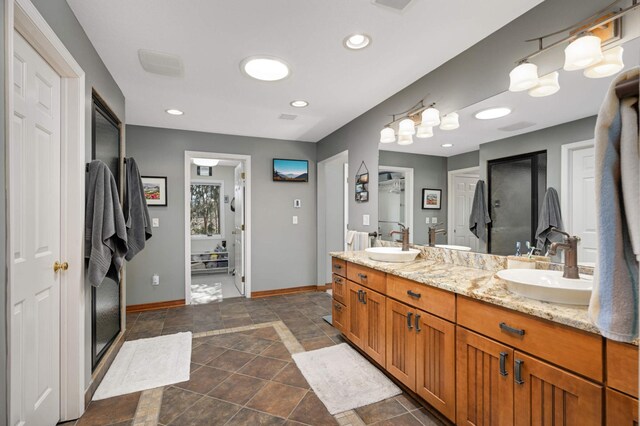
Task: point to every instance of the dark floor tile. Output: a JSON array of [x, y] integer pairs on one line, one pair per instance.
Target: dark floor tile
[[247, 417], [111, 410], [204, 379], [403, 420], [277, 350], [173, 329], [408, 402], [174, 402], [312, 412], [252, 344], [263, 368], [131, 319], [207, 411], [201, 328], [277, 399], [205, 352], [267, 333], [237, 389], [158, 314], [237, 322], [426, 418], [231, 360], [291, 375], [317, 343], [379, 411]]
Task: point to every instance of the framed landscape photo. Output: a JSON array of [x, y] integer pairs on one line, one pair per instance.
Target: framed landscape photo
[[155, 190], [290, 170], [431, 199]]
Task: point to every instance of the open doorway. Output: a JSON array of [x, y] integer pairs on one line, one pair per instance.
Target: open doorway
[[395, 200], [217, 214]]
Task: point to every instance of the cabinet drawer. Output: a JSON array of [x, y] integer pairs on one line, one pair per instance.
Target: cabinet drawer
[[367, 277], [339, 316], [622, 367], [433, 300], [622, 410], [573, 349], [339, 288], [339, 266]]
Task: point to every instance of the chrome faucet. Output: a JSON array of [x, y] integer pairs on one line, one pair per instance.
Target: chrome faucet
[[405, 236], [433, 231], [570, 248]]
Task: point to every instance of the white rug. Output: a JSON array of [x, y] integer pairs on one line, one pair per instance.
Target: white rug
[[147, 364], [343, 379]]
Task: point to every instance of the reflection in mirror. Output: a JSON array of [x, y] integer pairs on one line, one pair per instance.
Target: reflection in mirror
[[395, 200]]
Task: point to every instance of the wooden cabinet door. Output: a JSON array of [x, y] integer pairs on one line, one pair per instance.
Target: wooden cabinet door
[[401, 343], [339, 316], [484, 387], [356, 315], [374, 339], [622, 410], [435, 362], [546, 395], [339, 288]]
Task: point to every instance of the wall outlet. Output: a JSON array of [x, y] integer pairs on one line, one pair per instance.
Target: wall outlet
[[155, 280], [297, 203], [295, 220], [365, 220], [434, 220], [155, 222]]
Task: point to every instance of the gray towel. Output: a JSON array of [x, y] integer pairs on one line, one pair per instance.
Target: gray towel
[[105, 233], [479, 218], [136, 212], [550, 217]]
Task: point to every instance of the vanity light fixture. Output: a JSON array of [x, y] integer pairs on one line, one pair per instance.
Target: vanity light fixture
[[430, 117], [205, 162], [492, 113], [299, 104], [611, 64], [173, 111], [446, 145], [547, 85], [357, 41], [405, 140], [424, 132], [523, 77], [419, 120], [582, 53], [407, 128], [387, 135], [265, 68], [450, 121]]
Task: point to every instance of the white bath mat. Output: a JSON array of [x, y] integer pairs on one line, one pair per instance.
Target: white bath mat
[[147, 364], [343, 379]]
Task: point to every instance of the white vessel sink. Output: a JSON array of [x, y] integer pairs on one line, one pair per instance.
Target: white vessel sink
[[391, 254], [451, 247], [548, 286]]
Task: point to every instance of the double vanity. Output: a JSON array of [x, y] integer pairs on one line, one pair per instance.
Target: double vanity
[[449, 329]]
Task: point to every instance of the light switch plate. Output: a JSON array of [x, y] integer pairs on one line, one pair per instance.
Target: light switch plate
[[426, 220], [365, 220], [297, 203], [155, 222], [434, 220], [295, 220]]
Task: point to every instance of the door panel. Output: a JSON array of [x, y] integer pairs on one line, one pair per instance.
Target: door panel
[[484, 395], [339, 316], [34, 193], [582, 212], [239, 231], [401, 343], [465, 188], [622, 410], [375, 334], [551, 396], [339, 288], [356, 315], [435, 362]]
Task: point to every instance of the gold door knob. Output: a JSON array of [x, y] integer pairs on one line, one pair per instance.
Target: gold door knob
[[57, 266]]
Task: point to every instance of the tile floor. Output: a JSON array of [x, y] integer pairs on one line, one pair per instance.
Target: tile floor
[[212, 288], [245, 376]]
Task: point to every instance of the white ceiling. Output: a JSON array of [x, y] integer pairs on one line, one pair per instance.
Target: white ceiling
[[579, 97], [213, 36]]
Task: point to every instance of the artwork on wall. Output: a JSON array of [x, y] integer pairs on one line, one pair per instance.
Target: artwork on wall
[[431, 199], [362, 184], [155, 190], [204, 170], [290, 170]]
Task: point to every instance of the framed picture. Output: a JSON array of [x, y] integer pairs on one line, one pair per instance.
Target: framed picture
[[362, 184], [362, 197], [155, 190], [431, 199], [290, 170], [204, 170]]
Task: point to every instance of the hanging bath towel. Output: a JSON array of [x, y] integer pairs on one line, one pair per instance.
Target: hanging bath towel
[[136, 212], [550, 217], [479, 218]]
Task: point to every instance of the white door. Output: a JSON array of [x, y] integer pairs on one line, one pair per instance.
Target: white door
[[463, 190], [34, 194], [239, 231], [582, 202]]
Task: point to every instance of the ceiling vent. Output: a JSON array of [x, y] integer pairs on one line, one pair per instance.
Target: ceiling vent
[[397, 5], [161, 63], [288, 117], [517, 126]]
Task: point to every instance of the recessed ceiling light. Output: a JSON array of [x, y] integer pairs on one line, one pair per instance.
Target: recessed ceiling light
[[265, 68], [299, 104], [446, 145], [357, 41], [174, 112], [491, 113]]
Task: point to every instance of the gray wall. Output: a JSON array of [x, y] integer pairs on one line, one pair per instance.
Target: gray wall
[[428, 172], [3, 239], [283, 254], [463, 161], [476, 74]]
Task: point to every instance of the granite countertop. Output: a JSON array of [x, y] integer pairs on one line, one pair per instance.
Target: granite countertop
[[477, 284]]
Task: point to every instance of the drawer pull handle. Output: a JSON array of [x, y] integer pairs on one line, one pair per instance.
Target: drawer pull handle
[[364, 297], [409, 325], [360, 296], [503, 364], [338, 307], [362, 276], [518, 377], [418, 329], [509, 329], [412, 294], [338, 280], [336, 266]]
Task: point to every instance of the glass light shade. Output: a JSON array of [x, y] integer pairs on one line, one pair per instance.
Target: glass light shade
[[523, 77], [610, 65], [205, 162], [424, 131], [407, 127], [265, 68], [548, 85], [387, 135], [405, 140], [450, 122], [582, 53], [430, 117]]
